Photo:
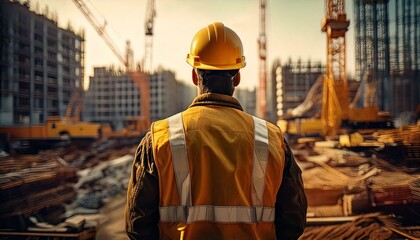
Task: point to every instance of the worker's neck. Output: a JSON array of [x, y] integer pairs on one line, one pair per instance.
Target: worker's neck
[[200, 92]]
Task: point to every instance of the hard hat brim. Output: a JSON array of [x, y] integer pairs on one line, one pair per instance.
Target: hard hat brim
[[199, 65]]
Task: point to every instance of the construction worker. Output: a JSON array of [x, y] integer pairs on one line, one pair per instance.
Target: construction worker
[[214, 171]]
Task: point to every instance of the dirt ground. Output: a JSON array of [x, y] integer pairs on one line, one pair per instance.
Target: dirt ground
[[113, 226]]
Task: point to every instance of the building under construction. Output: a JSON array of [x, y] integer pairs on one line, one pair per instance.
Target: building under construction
[[247, 98], [294, 80], [167, 95], [112, 97], [387, 36], [41, 64], [115, 97]]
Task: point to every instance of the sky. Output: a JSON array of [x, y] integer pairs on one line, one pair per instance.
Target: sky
[[293, 30]]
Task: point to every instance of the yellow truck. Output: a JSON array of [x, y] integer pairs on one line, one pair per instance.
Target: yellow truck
[[55, 128], [135, 127]]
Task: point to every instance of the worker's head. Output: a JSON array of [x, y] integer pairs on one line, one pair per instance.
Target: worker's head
[[216, 55]]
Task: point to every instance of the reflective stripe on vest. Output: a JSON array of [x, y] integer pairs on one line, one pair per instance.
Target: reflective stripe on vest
[[260, 159], [179, 157], [225, 214]]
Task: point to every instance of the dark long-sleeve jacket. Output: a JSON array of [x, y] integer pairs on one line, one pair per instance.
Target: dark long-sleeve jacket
[[142, 207]]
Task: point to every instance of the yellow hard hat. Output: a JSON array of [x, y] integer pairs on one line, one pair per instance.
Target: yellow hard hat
[[216, 47]]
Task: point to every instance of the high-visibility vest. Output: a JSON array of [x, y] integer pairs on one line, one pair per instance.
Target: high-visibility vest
[[219, 172]]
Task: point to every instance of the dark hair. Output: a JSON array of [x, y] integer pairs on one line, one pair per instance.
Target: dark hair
[[217, 81]]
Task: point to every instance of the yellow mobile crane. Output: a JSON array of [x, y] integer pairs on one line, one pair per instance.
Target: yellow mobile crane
[[335, 101], [335, 107]]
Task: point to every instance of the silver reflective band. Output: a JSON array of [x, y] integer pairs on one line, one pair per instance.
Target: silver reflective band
[[179, 157], [260, 158], [220, 214], [230, 214], [173, 214]]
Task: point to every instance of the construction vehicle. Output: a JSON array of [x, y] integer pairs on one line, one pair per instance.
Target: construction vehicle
[[335, 100], [135, 127], [55, 128]]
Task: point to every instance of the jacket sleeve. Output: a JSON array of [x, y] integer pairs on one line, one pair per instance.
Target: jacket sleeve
[[142, 209], [291, 204]]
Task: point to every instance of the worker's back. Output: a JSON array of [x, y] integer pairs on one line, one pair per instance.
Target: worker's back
[[227, 187]]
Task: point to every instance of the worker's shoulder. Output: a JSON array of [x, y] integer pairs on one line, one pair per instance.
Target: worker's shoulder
[[163, 124], [269, 124], [159, 122]]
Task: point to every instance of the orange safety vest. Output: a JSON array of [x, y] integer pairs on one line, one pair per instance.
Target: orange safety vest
[[218, 175]]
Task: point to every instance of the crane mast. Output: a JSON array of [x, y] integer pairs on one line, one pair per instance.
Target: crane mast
[[335, 101], [262, 92], [148, 28]]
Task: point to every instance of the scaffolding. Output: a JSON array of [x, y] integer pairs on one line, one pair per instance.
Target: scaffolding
[[295, 79], [386, 48]]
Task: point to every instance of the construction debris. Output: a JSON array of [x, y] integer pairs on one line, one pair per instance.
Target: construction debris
[[61, 190], [371, 226], [342, 186]]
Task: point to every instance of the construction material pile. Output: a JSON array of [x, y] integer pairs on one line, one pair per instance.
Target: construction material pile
[[29, 184], [370, 226], [401, 145], [61, 190], [340, 183]]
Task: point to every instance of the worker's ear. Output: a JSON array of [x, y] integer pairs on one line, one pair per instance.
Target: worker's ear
[[237, 79], [194, 77]]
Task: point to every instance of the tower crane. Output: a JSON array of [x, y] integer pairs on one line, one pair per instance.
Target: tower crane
[[262, 49], [76, 101], [148, 28], [335, 102], [335, 107], [335, 94], [100, 29], [138, 77]]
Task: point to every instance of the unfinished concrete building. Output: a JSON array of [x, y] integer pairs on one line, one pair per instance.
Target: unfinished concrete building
[[167, 95], [41, 64], [294, 79], [247, 98], [387, 36], [186, 94], [113, 98]]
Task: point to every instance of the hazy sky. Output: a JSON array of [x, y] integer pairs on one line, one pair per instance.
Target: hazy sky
[[293, 30]]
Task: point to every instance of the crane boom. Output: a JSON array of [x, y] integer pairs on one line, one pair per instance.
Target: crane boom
[[100, 29], [262, 92], [140, 78]]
